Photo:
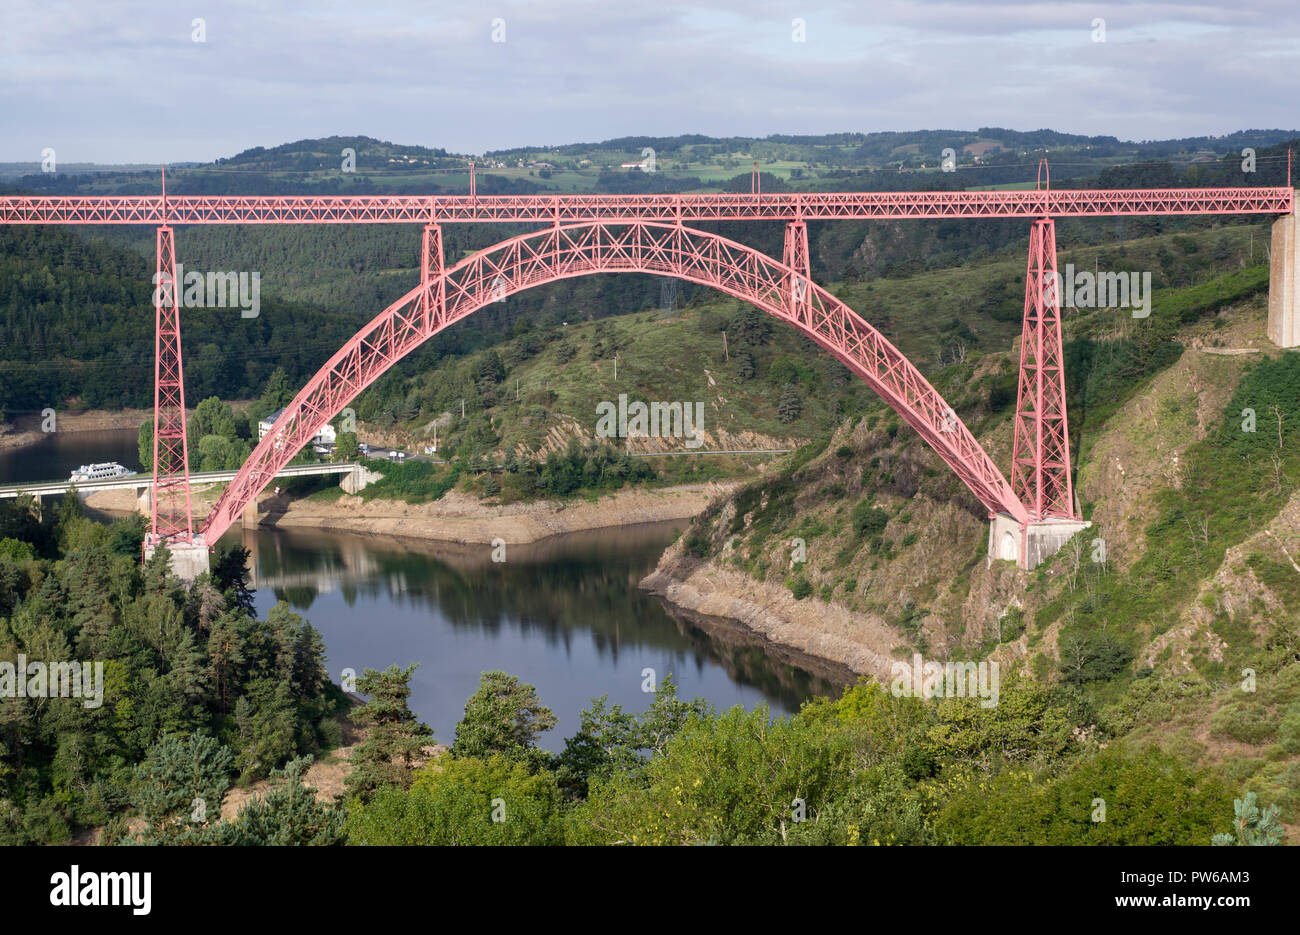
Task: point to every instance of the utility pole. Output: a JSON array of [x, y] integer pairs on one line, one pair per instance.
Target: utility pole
[[616, 366], [725, 355], [462, 409]]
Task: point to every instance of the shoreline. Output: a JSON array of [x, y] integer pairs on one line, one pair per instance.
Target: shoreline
[[25, 430], [865, 645], [461, 519], [832, 637]]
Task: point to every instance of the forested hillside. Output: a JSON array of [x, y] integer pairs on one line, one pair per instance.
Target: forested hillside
[[185, 673]]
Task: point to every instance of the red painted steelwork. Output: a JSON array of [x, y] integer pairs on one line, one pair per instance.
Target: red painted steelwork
[[569, 209], [172, 513], [1040, 459], [562, 252]]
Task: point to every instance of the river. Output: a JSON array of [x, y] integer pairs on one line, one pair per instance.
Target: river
[[564, 614], [56, 455]]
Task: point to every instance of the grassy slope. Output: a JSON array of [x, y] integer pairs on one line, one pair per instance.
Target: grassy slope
[[1193, 606]]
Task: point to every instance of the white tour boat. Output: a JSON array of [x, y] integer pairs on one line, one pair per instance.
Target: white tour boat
[[105, 471]]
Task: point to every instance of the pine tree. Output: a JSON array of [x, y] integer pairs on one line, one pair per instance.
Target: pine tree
[[230, 574], [394, 738], [225, 653], [1253, 828], [743, 360], [277, 395], [288, 814], [181, 785], [790, 405], [503, 716]]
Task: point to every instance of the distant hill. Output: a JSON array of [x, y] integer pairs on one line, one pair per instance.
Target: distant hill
[[913, 159]]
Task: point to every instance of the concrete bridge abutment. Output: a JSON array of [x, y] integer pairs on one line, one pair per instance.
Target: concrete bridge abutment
[[1283, 301], [187, 560], [1031, 544], [358, 479]]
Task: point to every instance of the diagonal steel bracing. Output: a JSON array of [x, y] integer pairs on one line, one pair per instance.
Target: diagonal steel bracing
[[601, 247], [1040, 460]]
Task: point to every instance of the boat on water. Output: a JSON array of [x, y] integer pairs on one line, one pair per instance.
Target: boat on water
[[104, 471]]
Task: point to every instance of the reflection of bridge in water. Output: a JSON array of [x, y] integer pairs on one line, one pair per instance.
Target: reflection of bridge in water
[[351, 563], [568, 598]]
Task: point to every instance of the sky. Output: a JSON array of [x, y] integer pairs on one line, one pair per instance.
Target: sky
[[125, 81]]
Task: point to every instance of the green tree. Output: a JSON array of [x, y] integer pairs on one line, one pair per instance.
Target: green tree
[[180, 788], [1252, 827], [467, 801], [211, 417], [277, 394], [345, 447], [394, 738], [288, 814], [868, 519], [743, 360], [503, 716], [1092, 658], [1149, 798], [611, 741], [146, 445], [790, 404]]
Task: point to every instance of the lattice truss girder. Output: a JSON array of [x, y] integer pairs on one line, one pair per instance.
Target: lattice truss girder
[[569, 209], [560, 252]]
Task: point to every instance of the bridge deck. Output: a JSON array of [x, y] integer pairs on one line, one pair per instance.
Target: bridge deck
[[560, 209]]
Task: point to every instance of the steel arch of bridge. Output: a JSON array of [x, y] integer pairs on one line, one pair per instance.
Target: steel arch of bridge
[[782, 289]]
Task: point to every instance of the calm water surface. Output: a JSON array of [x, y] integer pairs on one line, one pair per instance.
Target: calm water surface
[[565, 615], [57, 454]]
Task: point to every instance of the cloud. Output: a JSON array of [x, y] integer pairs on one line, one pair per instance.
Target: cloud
[[124, 81]]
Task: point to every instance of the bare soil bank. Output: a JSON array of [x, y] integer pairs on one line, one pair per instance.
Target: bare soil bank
[[863, 643], [461, 518]]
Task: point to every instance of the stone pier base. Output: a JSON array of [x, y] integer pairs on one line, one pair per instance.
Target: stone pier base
[[358, 479], [1283, 303], [1029, 546], [187, 561]]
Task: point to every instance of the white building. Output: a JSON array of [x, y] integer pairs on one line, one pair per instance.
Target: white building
[[326, 436]]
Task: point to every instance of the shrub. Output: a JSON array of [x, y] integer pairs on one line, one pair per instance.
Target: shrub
[[868, 519], [465, 801], [1093, 658], [1242, 722]]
